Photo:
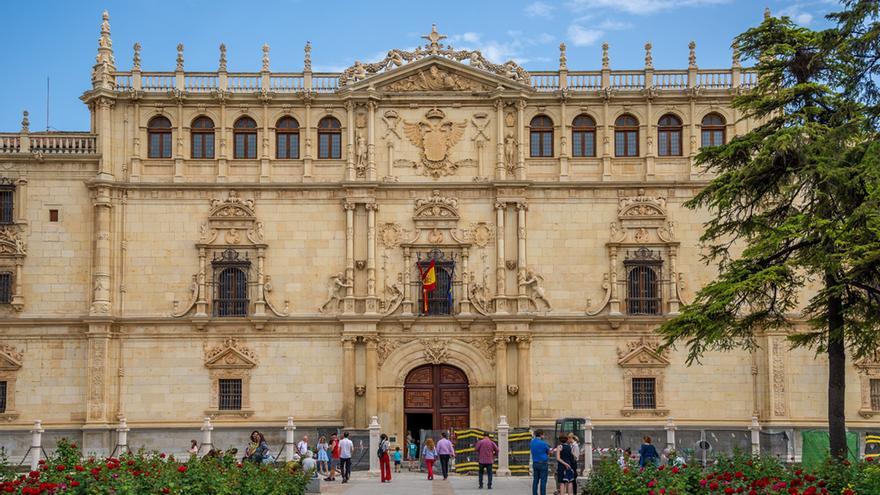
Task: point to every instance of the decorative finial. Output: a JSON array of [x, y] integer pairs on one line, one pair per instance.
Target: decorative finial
[[307, 61], [105, 44], [180, 57], [606, 62], [222, 57], [767, 14], [265, 57], [25, 122], [434, 38], [692, 56], [136, 59], [649, 60], [736, 57], [562, 58]]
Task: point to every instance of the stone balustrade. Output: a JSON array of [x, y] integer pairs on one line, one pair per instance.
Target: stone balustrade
[[48, 143]]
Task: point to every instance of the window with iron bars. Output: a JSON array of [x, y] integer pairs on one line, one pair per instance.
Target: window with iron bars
[[5, 287], [643, 282], [230, 284], [441, 299], [644, 393], [229, 394], [7, 204], [875, 394]]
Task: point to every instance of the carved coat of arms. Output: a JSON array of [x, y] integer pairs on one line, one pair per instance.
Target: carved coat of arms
[[435, 136]]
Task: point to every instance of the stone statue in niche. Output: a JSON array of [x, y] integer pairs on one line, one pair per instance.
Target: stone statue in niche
[[480, 297], [335, 292], [360, 162], [533, 283], [510, 151]]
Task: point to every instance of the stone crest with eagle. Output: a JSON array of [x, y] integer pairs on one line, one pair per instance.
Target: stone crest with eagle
[[436, 137]]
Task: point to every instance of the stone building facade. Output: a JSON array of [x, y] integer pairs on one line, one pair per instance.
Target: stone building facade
[[249, 246]]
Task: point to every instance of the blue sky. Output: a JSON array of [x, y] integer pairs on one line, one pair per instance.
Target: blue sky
[[58, 38]]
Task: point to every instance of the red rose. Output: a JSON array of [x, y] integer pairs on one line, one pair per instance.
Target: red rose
[[675, 470], [713, 485], [79, 468], [166, 490], [182, 468], [162, 455], [728, 490], [60, 467], [74, 483]]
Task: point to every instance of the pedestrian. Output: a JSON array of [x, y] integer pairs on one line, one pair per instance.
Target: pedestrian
[[334, 457], [193, 447], [445, 450], [576, 455], [397, 459], [623, 460], [565, 467], [257, 448], [346, 448], [486, 450], [648, 453], [413, 451], [323, 459], [303, 446], [384, 458], [309, 465], [429, 454], [540, 457]]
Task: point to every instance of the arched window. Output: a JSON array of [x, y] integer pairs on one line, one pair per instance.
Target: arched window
[[287, 138], [669, 136], [541, 136], [245, 138], [583, 136], [626, 136], [202, 138], [329, 138], [159, 134], [712, 130]]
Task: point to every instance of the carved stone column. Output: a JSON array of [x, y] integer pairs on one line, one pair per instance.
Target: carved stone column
[[260, 303], [501, 375], [21, 201], [372, 375], [178, 147], [650, 128], [407, 298], [102, 282], [563, 143], [521, 261], [265, 167], [202, 281], [105, 137], [222, 164], [614, 301], [372, 301], [96, 433], [520, 138], [674, 302], [499, 145], [524, 380], [500, 275], [135, 171], [465, 307], [348, 367], [348, 302], [349, 145], [607, 132], [307, 142], [371, 141]]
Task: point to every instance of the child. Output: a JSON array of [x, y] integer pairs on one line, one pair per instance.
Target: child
[[397, 459], [413, 455]]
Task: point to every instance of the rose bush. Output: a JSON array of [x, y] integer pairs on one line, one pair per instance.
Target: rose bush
[[66, 472], [742, 475]]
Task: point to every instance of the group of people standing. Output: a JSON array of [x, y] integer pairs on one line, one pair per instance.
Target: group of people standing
[[567, 452]]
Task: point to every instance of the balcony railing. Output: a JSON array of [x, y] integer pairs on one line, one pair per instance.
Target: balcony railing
[[73, 143]]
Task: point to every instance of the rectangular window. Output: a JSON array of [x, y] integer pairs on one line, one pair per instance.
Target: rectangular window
[[203, 145], [644, 393], [7, 204], [229, 394], [53, 215], [329, 145], [663, 145], [439, 300], [3, 397], [5, 287], [198, 142], [547, 148], [875, 394], [287, 146], [577, 140], [642, 289], [626, 143], [584, 143]]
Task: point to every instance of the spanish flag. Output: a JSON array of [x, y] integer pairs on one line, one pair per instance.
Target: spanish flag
[[429, 282]]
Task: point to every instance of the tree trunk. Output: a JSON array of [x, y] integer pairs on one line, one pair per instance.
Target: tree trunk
[[836, 374]]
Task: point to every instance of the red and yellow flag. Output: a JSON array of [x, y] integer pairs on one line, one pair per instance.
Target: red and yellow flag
[[429, 282]]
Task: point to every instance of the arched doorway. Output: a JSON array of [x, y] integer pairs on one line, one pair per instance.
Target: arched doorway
[[436, 397]]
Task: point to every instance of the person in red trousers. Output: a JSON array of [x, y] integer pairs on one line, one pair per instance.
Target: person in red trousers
[[429, 455], [384, 460]]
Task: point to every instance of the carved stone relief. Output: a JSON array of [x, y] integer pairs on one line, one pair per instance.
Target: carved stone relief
[[778, 367], [435, 137], [435, 78]]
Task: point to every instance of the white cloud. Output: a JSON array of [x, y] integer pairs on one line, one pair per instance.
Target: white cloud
[[539, 9], [797, 14], [612, 25], [580, 36], [640, 7]]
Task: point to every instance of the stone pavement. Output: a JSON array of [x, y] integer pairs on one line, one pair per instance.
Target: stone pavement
[[406, 483]]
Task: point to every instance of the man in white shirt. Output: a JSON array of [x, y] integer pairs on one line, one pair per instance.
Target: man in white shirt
[[345, 450], [303, 446]]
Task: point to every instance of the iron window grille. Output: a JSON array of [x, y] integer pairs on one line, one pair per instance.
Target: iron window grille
[[644, 392], [643, 282], [3, 397], [5, 287], [7, 204], [441, 299], [230, 283], [875, 394], [229, 394]]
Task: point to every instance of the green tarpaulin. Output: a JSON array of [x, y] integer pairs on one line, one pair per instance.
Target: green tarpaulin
[[817, 447]]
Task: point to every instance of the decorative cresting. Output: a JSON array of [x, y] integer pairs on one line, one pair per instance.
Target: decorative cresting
[[10, 362], [641, 226], [230, 360], [869, 371], [232, 229], [435, 137], [642, 358], [397, 58]]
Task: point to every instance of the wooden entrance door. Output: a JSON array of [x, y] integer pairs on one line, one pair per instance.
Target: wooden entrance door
[[440, 390]]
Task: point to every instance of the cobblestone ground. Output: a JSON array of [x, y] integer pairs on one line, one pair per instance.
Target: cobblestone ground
[[416, 483]]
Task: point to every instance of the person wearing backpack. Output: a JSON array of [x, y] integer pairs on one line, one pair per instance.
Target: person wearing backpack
[[384, 459]]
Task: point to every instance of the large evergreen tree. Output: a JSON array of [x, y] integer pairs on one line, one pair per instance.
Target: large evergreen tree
[[795, 203]]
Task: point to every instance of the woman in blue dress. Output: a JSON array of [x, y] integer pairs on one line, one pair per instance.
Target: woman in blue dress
[[323, 458]]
